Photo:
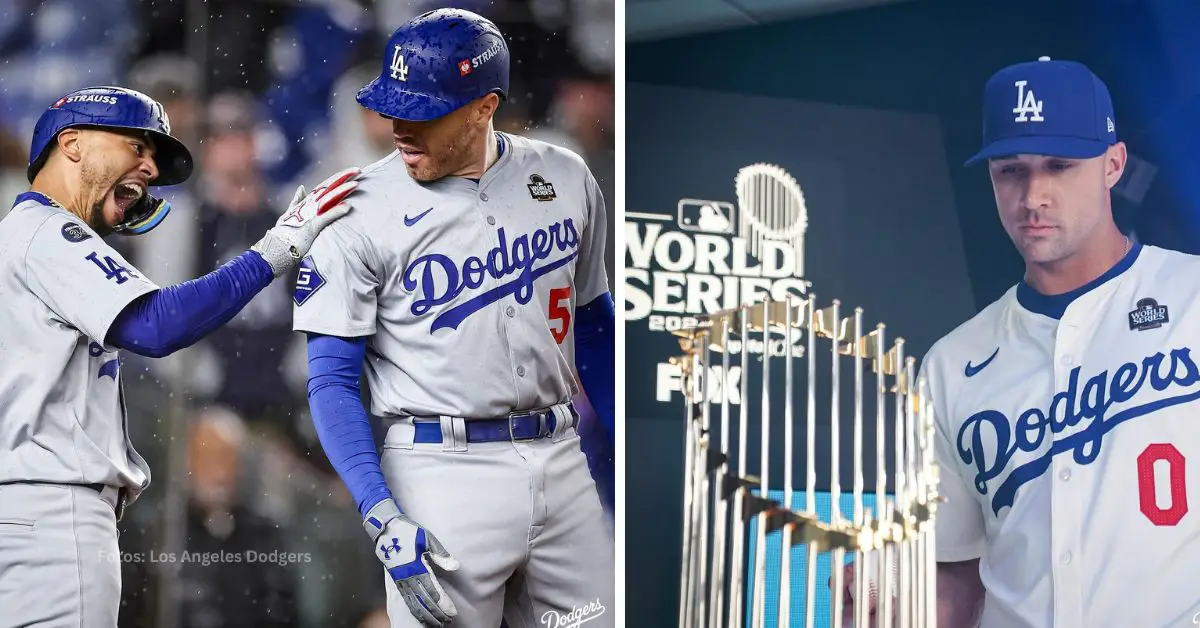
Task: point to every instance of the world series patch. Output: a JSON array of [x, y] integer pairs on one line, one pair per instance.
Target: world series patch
[[1148, 315], [540, 189]]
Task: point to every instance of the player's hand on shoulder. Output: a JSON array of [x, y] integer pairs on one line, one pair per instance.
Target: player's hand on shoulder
[[285, 244], [406, 550]]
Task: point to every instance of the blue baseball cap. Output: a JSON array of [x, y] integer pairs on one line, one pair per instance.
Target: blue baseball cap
[[1044, 107]]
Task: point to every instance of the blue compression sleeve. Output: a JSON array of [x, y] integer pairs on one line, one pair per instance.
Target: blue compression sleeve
[[334, 368], [167, 320], [595, 334]]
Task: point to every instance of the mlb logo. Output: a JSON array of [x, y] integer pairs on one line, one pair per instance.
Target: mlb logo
[[705, 216], [464, 67], [1148, 315]]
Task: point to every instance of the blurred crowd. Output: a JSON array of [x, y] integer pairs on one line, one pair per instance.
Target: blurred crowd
[[262, 92]]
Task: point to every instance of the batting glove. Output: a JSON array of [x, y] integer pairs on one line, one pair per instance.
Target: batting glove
[[289, 240], [405, 548]]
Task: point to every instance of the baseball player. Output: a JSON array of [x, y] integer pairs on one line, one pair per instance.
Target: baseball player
[[70, 304], [468, 285], [1065, 411]]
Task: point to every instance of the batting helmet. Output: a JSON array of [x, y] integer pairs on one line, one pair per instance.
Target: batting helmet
[[112, 107], [436, 63], [117, 108]]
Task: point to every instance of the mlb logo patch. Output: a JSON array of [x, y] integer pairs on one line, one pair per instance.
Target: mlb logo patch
[[1148, 315], [308, 281]]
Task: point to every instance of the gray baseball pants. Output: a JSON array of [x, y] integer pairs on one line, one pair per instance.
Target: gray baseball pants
[[523, 519], [59, 561]]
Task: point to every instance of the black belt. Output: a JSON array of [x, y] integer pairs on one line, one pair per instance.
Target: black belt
[[516, 427]]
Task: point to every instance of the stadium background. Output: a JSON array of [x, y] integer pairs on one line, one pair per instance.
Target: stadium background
[[873, 110], [262, 92]]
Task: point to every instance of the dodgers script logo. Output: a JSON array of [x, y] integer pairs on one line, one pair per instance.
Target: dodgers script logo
[[1068, 409], [578, 616], [435, 279]]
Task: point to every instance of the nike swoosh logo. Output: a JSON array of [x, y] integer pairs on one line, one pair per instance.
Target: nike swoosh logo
[[972, 371], [408, 222]]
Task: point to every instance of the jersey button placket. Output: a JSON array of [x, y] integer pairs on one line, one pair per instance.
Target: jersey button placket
[[1067, 495], [505, 319]]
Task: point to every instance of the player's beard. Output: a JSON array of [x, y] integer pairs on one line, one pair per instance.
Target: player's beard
[[457, 154], [97, 181]]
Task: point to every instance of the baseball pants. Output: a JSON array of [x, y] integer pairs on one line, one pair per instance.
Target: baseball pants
[[59, 561], [523, 519]]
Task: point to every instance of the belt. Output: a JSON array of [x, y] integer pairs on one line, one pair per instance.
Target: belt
[[514, 427]]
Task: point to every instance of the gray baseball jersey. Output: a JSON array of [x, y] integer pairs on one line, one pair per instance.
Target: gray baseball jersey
[[468, 290], [62, 414]]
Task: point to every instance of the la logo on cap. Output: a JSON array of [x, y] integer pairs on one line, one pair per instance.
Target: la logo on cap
[[1029, 108]]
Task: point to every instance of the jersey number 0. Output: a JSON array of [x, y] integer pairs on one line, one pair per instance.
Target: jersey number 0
[[1148, 488]]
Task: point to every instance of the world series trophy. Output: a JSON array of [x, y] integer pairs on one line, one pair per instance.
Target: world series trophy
[[727, 504]]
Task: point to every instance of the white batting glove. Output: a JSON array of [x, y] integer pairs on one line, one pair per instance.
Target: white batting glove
[[285, 244], [405, 548]]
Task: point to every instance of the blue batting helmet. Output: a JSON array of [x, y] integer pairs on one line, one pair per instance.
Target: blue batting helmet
[[436, 63], [112, 107]]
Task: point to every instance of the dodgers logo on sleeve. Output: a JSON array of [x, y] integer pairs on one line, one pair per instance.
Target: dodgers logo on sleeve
[[308, 281], [111, 268]]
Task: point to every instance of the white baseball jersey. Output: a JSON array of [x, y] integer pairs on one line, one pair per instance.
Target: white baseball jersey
[[1068, 449], [62, 414], [467, 289]]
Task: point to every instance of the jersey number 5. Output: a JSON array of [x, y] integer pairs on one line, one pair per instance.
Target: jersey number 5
[[560, 312], [1149, 471]]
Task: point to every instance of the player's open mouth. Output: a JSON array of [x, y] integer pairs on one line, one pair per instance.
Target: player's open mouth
[[411, 155], [126, 194]]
